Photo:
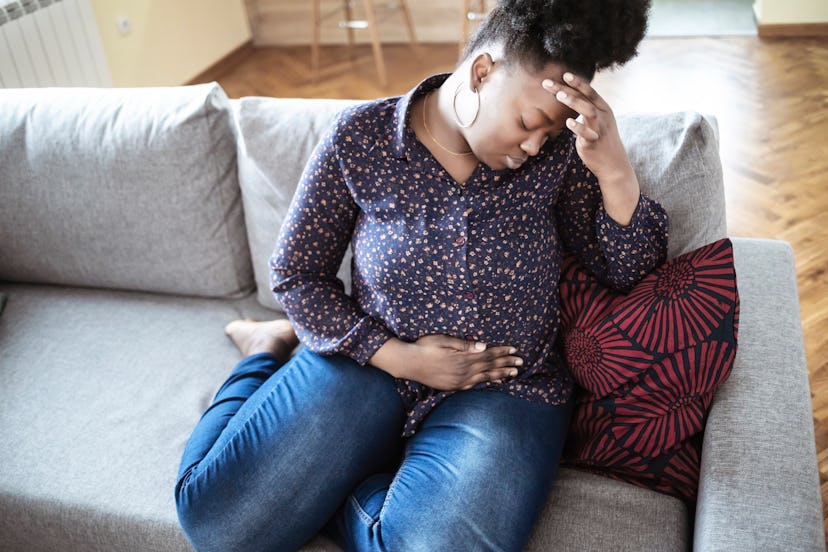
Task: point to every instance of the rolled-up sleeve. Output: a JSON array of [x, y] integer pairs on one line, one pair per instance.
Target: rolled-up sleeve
[[308, 252], [620, 256]]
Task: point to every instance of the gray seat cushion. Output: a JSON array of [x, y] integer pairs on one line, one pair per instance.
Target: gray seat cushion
[[122, 188], [588, 512], [101, 390]]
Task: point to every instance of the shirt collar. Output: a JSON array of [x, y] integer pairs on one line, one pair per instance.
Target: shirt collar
[[401, 113]]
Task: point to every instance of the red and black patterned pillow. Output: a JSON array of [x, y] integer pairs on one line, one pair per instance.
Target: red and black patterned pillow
[[647, 364]]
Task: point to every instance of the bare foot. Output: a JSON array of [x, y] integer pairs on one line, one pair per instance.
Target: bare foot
[[273, 336]]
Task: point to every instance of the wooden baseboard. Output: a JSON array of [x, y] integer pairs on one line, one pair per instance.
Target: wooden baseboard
[[225, 64], [792, 30]]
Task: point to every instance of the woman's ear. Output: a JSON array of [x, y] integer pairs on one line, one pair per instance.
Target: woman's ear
[[481, 67]]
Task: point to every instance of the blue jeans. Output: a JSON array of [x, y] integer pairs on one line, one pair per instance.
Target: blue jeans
[[283, 454]]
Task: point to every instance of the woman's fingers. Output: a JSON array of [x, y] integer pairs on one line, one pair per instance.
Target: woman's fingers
[[496, 352], [578, 95], [571, 97], [496, 357], [489, 375], [582, 130], [496, 363], [450, 364], [456, 343], [574, 85], [586, 90], [576, 102], [586, 126], [476, 362]]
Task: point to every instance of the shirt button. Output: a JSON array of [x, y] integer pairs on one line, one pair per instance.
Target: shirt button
[[469, 295], [459, 241]]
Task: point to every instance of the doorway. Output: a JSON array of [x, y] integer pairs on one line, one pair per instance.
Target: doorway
[[701, 18]]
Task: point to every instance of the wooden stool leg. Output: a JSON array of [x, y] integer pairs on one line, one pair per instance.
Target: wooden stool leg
[[349, 16], [408, 22], [464, 26], [478, 10], [375, 42], [315, 37]]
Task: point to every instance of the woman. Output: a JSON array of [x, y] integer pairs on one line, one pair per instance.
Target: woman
[[428, 410]]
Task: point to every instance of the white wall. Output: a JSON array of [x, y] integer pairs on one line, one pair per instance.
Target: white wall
[[780, 12]]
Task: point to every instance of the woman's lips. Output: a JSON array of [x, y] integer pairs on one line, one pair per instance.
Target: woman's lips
[[514, 162]]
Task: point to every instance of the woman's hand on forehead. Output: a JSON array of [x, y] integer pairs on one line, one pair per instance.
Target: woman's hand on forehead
[[599, 145], [578, 95], [598, 142]]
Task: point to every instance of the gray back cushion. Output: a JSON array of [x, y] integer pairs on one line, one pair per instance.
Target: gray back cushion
[[279, 135], [676, 159], [122, 188], [675, 155]]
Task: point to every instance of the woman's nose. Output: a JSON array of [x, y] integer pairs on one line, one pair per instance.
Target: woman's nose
[[534, 143]]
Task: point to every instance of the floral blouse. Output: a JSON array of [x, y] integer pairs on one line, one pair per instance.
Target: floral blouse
[[479, 261]]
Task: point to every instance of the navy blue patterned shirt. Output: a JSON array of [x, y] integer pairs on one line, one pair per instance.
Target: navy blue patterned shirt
[[479, 261]]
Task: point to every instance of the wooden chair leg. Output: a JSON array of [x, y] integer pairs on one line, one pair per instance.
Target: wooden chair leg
[[475, 8], [464, 26], [349, 16], [315, 37], [408, 22], [375, 41]]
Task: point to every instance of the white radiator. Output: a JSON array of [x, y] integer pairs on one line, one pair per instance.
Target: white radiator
[[50, 43]]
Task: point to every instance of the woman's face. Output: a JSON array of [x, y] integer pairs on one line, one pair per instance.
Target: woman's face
[[517, 115]]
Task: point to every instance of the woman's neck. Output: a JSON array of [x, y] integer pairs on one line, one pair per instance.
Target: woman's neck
[[438, 120]]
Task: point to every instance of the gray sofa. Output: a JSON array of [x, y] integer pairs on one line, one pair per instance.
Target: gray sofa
[[135, 223]]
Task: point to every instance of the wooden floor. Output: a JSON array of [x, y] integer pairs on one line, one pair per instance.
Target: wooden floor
[[771, 101]]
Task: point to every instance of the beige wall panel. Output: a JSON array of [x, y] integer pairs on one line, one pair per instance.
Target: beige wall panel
[[169, 43], [775, 12]]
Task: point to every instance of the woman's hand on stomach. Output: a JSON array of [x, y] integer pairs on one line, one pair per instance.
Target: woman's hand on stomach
[[446, 363]]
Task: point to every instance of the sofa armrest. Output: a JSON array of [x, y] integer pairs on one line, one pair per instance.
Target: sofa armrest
[[759, 484]]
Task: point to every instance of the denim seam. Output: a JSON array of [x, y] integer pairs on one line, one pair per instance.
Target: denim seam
[[390, 491], [364, 516], [245, 425]]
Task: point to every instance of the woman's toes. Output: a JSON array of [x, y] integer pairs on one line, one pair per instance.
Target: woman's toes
[[273, 336], [229, 329]]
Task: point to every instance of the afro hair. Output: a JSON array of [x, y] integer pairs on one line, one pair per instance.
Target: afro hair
[[584, 35]]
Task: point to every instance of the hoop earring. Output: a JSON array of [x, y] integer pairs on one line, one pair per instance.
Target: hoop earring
[[454, 106]]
